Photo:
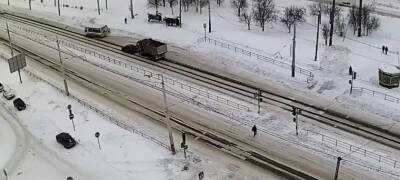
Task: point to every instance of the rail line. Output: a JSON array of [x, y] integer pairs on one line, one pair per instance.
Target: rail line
[[201, 132], [236, 88]]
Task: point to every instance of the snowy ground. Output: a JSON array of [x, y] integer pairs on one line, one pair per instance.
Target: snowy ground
[[123, 155], [330, 71]]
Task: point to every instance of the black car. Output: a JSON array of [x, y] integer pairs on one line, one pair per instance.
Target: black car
[[130, 48], [66, 140], [1, 87], [19, 104]]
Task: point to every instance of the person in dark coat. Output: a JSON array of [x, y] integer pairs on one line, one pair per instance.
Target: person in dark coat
[[126, 21], [383, 49], [254, 129], [350, 70], [386, 50]]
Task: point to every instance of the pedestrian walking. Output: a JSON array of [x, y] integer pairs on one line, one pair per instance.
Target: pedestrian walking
[[254, 129], [383, 49], [350, 70], [386, 49], [126, 21]]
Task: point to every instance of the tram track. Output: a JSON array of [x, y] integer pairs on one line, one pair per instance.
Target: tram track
[[236, 88], [198, 131]]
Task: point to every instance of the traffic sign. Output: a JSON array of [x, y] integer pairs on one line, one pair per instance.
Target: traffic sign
[[17, 62]]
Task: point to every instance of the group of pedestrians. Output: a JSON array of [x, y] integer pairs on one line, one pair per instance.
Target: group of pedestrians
[[385, 49]]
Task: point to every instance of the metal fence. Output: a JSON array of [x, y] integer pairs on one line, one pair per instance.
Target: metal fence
[[376, 94], [139, 69], [308, 73], [349, 148], [103, 113]]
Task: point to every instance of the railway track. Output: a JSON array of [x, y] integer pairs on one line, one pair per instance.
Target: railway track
[[235, 88], [191, 128]]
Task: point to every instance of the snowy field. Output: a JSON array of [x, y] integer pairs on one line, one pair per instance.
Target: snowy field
[[363, 55]]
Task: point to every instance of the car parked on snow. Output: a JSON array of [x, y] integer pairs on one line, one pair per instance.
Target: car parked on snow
[[1, 87], [19, 104], [8, 94], [66, 140]]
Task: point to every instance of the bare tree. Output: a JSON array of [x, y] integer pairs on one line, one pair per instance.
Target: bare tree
[[154, 3], [340, 25], [172, 3], [293, 14], [353, 18], [314, 8], [219, 2], [246, 18], [239, 5], [325, 32], [264, 11], [203, 3], [372, 24], [327, 8]]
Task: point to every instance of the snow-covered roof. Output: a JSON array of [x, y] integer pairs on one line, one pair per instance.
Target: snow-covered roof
[[390, 69]]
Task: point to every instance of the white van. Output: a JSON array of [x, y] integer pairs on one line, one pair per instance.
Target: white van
[[102, 31]]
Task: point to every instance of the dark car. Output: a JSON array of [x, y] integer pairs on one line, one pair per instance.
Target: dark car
[[1, 87], [66, 140], [19, 104]]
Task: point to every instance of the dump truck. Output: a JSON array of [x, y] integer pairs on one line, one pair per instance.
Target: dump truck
[[151, 48]]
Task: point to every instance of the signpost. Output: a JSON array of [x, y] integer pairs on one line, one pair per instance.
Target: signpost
[[71, 116], [5, 174], [97, 135], [18, 61]]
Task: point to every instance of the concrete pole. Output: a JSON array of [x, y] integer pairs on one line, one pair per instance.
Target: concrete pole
[[316, 44], [59, 10], [180, 13], [209, 16], [132, 10], [98, 6], [294, 51], [167, 117], [332, 20], [359, 18], [106, 5], [62, 68], [30, 5]]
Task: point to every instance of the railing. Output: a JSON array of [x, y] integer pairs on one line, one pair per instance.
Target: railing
[[138, 69], [349, 148], [308, 73], [377, 94]]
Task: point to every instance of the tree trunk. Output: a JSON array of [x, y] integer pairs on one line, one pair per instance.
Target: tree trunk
[[238, 12], [172, 9], [248, 26]]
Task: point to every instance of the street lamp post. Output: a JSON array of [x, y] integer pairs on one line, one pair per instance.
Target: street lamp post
[[209, 16], [167, 117], [205, 31]]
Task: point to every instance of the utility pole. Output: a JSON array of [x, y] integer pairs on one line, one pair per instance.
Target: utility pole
[[5, 174], [106, 5], [209, 16], [180, 13], [62, 68], [359, 18], [318, 23], [132, 10], [98, 6], [55, 3], [259, 100], [167, 118], [337, 168], [332, 22], [12, 51], [8, 2], [294, 50], [30, 5], [59, 10]]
